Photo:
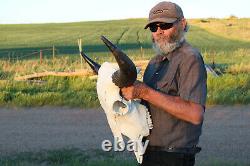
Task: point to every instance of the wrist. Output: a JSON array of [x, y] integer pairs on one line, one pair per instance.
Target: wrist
[[145, 94]]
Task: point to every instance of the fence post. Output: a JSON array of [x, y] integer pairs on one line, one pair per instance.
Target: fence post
[[41, 56], [142, 52], [80, 49], [9, 56], [53, 52], [213, 61], [80, 55], [13, 56]]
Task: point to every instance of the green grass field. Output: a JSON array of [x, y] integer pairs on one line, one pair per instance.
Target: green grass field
[[76, 157], [223, 41]]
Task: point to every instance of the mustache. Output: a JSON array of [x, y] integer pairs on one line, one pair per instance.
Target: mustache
[[163, 47]]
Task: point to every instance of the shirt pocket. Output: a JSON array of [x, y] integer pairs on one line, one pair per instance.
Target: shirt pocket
[[168, 87]]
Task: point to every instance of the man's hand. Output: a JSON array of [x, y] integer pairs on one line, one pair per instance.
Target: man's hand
[[137, 91], [175, 105]]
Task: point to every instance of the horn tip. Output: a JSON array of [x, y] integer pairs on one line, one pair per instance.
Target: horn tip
[[103, 37]]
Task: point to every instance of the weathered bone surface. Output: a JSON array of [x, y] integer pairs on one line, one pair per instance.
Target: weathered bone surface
[[128, 118]]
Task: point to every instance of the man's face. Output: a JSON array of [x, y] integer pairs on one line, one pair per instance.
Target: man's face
[[166, 36], [170, 34]]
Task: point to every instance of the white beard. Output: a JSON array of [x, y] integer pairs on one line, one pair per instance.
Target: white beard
[[165, 48], [162, 46]]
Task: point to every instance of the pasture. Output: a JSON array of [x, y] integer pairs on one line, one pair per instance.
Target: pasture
[[222, 42]]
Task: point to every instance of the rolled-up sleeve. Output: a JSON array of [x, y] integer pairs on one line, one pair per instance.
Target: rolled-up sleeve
[[193, 79]]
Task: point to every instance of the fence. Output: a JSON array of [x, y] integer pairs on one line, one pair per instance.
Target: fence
[[14, 65], [15, 55]]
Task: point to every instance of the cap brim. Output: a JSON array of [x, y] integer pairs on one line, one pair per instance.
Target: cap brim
[[165, 20]]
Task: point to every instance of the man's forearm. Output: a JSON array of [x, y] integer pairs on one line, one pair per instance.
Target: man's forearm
[[176, 106]]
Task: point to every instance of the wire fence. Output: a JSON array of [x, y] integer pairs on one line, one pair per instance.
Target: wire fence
[[54, 58], [15, 55], [13, 61], [26, 52]]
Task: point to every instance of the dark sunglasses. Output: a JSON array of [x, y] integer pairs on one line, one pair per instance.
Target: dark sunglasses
[[163, 26]]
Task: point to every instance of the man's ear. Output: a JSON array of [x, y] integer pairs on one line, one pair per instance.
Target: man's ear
[[184, 24]]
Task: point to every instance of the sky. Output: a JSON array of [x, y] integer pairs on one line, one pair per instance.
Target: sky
[[52, 11]]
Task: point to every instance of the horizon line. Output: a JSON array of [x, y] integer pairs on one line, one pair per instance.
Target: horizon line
[[79, 21]]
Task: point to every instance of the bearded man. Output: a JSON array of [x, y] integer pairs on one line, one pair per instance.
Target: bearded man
[[174, 90]]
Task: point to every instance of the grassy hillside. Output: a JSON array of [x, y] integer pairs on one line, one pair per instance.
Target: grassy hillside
[[223, 41], [215, 39]]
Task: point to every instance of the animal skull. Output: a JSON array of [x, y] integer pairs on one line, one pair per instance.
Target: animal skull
[[128, 118]]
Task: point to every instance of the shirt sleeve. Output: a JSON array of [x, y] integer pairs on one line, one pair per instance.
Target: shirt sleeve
[[193, 79]]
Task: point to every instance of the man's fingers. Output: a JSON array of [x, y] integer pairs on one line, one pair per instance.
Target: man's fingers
[[126, 92], [123, 93]]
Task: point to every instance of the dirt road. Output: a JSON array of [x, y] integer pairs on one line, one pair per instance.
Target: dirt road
[[226, 131]]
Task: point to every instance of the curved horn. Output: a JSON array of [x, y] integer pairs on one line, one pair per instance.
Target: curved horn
[[94, 66], [127, 74]]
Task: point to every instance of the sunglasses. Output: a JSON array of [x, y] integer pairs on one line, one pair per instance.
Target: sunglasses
[[163, 26]]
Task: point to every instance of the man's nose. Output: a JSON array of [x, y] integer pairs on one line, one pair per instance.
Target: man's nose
[[159, 30]]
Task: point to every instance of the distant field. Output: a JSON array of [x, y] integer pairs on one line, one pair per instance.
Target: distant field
[[226, 42]]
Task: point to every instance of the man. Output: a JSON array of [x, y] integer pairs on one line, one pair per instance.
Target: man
[[174, 89]]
